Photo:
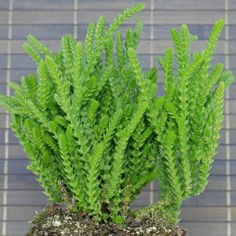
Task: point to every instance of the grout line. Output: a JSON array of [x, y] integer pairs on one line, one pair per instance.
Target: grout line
[[19, 53], [151, 31], [75, 19], [116, 9], [219, 159], [7, 124], [151, 198], [125, 24], [227, 124]]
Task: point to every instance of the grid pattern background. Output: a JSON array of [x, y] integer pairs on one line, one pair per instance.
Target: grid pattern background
[[214, 212]]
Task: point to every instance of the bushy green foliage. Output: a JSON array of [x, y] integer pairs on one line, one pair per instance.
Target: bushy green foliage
[[187, 120], [81, 119], [96, 133]]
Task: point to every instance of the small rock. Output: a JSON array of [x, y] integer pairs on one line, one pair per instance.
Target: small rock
[[46, 225], [56, 223], [68, 218]]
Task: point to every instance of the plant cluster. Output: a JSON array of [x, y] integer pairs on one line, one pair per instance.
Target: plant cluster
[[188, 118], [96, 133]]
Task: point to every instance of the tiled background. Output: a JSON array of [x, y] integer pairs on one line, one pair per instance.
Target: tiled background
[[211, 214]]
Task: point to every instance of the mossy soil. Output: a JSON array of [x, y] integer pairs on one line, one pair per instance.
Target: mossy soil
[[54, 221]]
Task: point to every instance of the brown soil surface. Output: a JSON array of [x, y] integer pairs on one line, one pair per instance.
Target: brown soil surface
[[53, 221]]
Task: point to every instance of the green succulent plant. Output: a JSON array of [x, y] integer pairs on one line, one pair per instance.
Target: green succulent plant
[[96, 133], [188, 118]]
